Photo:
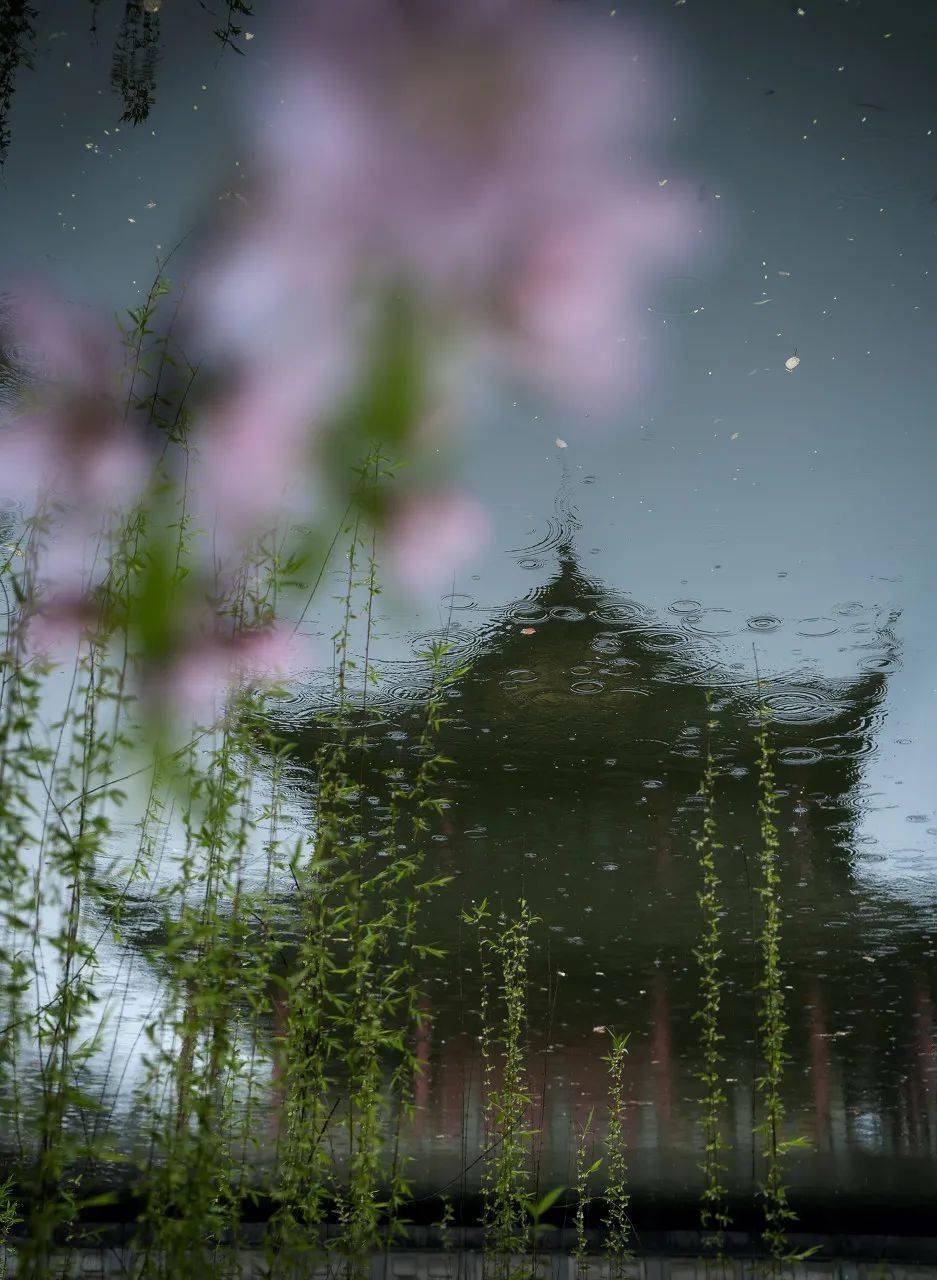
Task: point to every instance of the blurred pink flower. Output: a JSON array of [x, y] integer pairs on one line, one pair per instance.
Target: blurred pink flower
[[268, 654], [193, 686], [252, 446], [56, 633], [431, 535], [482, 158], [477, 162], [73, 442]]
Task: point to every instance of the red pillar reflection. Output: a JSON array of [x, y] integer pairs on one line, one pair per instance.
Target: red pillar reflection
[[662, 1055], [819, 1068]]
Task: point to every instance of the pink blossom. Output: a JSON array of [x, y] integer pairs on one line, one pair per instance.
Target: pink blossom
[[56, 633], [192, 686], [72, 440], [481, 157], [479, 160], [252, 449], [479, 154], [267, 654], [71, 447], [431, 535]]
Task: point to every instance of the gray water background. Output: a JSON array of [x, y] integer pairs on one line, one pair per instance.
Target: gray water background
[[731, 501]]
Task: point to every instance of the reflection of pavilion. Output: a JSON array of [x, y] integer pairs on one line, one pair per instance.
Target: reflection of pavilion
[[582, 693], [576, 739], [575, 669]]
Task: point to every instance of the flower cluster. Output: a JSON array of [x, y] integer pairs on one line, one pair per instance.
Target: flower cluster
[[470, 164], [437, 193]]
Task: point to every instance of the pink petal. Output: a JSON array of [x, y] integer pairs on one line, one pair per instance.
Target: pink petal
[[431, 536]]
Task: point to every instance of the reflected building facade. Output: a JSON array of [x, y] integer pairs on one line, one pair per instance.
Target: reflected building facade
[[576, 740]]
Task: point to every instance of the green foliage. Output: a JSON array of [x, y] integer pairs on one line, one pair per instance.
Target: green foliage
[[507, 1179], [336, 1003], [584, 1172], [773, 1026], [537, 1210], [354, 1002], [714, 1214], [9, 1218], [619, 1233], [306, 1029]]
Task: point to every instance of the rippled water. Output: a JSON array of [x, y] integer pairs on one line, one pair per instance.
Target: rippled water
[[732, 512], [577, 740]]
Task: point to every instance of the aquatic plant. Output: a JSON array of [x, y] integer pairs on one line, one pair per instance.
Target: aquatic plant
[[772, 1021], [619, 1234], [221, 950], [356, 994], [169, 530], [68, 853], [197, 1062], [9, 1218], [714, 1214], [583, 1172], [504, 946], [446, 1221]]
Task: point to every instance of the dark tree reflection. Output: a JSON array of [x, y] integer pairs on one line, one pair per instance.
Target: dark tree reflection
[[136, 50], [16, 45], [232, 30], [133, 73]]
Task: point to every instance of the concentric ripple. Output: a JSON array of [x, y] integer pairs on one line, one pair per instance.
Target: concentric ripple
[[800, 755], [625, 614], [586, 686], [817, 627], [763, 622], [802, 705]]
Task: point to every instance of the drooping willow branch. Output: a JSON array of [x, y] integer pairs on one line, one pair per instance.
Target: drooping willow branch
[[17, 38], [133, 71]]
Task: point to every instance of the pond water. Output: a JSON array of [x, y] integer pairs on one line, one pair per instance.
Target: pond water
[[577, 740], [737, 519]]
